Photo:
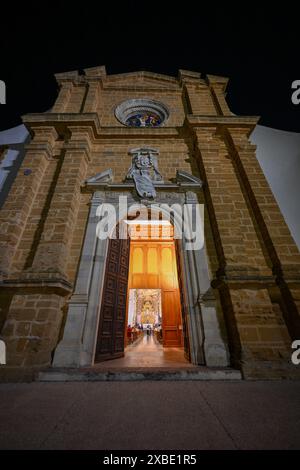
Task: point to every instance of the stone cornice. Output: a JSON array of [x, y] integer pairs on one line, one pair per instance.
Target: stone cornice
[[61, 121], [137, 132], [214, 80], [143, 88], [38, 148], [92, 187], [141, 74], [248, 122]]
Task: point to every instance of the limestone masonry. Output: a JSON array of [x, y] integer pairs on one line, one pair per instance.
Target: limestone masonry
[[252, 261]]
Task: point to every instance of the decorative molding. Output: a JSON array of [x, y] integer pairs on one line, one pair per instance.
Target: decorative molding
[[104, 180], [207, 296], [248, 122], [184, 177], [103, 177], [61, 121]]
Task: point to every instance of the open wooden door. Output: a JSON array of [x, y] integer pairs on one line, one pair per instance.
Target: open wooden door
[[183, 302], [110, 340], [172, 324]]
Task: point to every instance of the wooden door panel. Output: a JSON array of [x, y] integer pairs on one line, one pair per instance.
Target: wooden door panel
[[152, 281], [171, 336], [171, 319], [138, 281], [183, 303], [110, 340], [168, 281]]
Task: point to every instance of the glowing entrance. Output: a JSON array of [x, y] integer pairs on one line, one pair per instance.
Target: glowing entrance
[[144, 309], [141, 293], [154, 300]]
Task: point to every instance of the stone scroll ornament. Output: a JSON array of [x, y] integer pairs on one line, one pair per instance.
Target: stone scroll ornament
[[144, 171]]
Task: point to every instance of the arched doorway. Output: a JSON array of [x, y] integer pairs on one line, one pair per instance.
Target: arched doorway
[[141, 296], [205, 342]]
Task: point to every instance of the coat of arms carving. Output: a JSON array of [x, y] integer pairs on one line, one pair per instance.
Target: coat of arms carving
[[144, 171]]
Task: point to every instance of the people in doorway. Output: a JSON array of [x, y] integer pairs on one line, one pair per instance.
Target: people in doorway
[[158, 332], [129, 334]]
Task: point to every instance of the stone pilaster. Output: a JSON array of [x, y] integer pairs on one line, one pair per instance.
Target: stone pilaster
[[63, 98], [256, 330], [217, 86], [279, 246], [92, 98], [51, 256], [15, 211], [77, 345], [197, 93], [31, 329], [239, 249]]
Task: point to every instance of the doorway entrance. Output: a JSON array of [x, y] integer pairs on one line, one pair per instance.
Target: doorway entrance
[[153, 268], [95, 325], [141, 297]]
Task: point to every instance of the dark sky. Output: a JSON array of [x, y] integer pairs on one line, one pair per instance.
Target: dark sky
[[257, 47]]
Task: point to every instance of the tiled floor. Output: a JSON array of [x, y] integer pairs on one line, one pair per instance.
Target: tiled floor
[[148, 352]]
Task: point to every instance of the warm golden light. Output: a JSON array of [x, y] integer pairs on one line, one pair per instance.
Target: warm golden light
[[153, 266]]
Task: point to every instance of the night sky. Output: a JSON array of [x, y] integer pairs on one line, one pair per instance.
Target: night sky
[[256, 47]]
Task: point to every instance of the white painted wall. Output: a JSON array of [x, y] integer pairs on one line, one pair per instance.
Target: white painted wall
[[278, 153], [14, 138]]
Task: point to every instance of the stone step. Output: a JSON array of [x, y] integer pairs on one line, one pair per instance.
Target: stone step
[[136, 374]]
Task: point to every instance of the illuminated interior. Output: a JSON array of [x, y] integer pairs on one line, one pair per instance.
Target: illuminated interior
[[144, 308], [153, 281]]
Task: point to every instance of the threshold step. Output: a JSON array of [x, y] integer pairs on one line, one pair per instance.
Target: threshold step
[[97, 374]]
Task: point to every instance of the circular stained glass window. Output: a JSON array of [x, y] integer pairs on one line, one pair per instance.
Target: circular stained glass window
[[141, 113], [144, 120]]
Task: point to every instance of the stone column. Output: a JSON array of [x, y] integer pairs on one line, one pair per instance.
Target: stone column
[[18, 204]]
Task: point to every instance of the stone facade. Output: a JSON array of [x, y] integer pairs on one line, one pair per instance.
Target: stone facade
[[253, 261]]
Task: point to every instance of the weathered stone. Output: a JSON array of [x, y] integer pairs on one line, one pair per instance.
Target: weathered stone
[[253, 261]]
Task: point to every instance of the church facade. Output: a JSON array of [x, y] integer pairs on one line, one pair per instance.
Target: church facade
[[137, 144]]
